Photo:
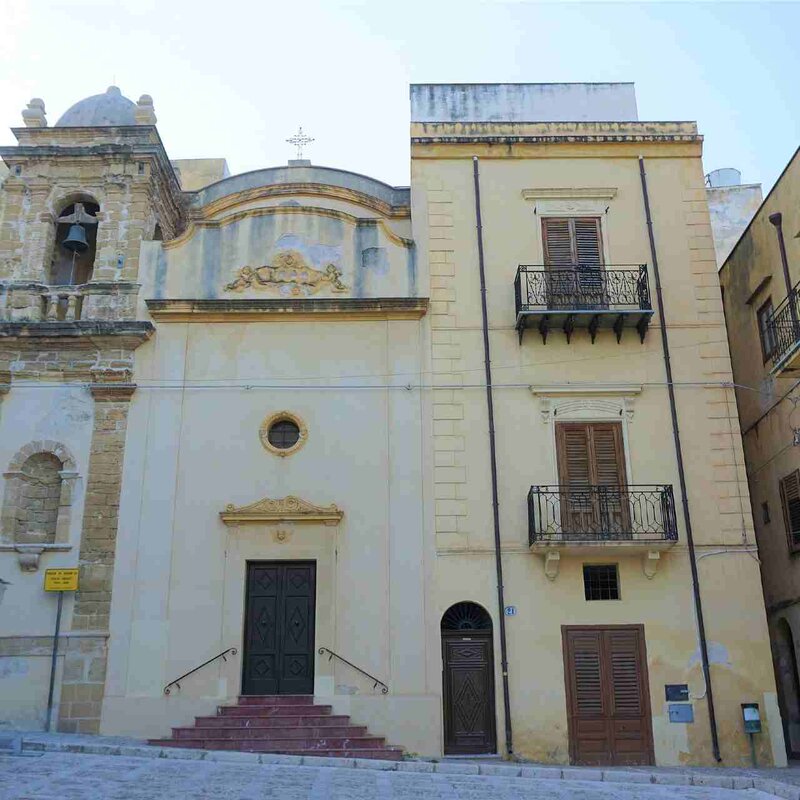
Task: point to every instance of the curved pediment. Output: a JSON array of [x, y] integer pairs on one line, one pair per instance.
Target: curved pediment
[[308, 181]]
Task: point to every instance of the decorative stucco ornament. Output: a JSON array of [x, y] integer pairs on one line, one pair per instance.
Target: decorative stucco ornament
[[288, 276]]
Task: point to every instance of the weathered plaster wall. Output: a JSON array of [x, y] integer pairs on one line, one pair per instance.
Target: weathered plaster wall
[[27, 414], [522, 102], [731, 208], [195, 173]]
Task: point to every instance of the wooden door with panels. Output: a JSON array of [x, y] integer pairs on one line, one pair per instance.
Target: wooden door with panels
[[608, 702], [468, 681], [278, 653], [573, 254], [591, 472]]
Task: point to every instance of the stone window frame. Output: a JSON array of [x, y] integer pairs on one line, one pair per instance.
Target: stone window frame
[[13, 490], [279, 416]]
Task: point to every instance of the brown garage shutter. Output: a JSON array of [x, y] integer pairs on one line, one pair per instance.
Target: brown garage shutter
[[607, 700]]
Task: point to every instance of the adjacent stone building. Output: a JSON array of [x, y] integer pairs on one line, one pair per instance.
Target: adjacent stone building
[[759, 283], [348, 466]]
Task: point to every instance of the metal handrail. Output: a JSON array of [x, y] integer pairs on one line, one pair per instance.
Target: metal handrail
[[614, 288], [331, 654], [592, 513], [783, 328], [177, 682]]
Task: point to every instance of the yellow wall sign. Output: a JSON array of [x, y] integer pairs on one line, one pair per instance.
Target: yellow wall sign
[[61, 580]]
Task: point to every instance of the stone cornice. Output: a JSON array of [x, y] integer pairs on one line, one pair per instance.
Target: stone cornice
[[273, 310], [81, 334]]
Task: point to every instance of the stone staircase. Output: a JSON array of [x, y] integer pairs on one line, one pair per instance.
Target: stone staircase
[[289, 724]]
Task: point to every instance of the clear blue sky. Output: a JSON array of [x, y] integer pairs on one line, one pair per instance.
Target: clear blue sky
[[234, 79]]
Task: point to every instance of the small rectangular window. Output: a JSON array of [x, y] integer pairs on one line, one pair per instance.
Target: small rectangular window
[[790, 500], [601, 581], [765, 513], [766, 330]]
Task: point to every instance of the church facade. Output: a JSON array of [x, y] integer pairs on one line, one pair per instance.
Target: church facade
[[457, 460]]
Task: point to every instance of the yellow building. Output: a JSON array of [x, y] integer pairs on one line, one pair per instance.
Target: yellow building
[[759, 282], [355, 469]]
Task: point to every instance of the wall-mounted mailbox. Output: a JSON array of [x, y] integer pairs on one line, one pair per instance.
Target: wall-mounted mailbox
[[676, 692], [751, 717], [681, 712]]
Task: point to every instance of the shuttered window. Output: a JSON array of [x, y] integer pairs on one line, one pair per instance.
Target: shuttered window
[[590, 453], [790, 500], [572, 241]]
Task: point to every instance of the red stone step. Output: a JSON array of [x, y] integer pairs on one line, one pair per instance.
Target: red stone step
[[276, 721], [276, 700], [271, 711], [385, 753], [312, 743], [260, 732]]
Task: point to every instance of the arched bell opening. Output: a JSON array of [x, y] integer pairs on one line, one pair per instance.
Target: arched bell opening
[[468, 680], [75, 244]]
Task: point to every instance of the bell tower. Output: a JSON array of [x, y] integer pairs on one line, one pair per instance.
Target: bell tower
[[80, 201]]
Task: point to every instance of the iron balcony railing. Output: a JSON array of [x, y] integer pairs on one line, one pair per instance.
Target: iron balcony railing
[[783, 327], [582, 288], [582, 513]]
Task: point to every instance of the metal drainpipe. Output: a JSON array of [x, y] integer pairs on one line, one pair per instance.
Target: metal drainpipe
[[777, 220], [493, 457], [698, 605]]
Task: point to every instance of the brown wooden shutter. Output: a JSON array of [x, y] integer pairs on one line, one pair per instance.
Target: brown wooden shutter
[[626, 681], [607, 457], [588, 248], [587, 655], [574, 453], [790, 500], [571, 241], [558, 242], [590, 453]]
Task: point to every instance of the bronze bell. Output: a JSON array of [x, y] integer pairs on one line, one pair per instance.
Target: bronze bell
[[76, 239]]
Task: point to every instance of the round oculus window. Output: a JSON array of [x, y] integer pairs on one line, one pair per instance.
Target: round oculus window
[[283, 434]]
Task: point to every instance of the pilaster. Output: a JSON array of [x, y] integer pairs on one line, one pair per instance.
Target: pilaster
[[85, 663]]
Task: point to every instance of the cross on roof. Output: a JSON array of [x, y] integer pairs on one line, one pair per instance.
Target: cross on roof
[[300, 140]]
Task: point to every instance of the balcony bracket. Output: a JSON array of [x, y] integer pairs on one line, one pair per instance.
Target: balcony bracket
[[520, 331], [552, 561], [642, 325], [594, 324], [619, 324], [650, 561], [569, 326], [544, 328]]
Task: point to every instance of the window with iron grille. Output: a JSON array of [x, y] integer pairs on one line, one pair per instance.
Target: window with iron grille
[[284, 434], [601, 581], [790, 500], [766, 332]]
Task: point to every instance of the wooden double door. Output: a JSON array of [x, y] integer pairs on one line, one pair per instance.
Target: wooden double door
[[608, 704], [279, 628]]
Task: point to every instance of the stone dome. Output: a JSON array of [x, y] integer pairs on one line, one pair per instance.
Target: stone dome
[[98, 110]]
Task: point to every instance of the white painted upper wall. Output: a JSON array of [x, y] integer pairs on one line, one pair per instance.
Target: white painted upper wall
[[523, 102]]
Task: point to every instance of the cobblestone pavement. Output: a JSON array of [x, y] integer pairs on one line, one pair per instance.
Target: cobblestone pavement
[[68, 776]]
